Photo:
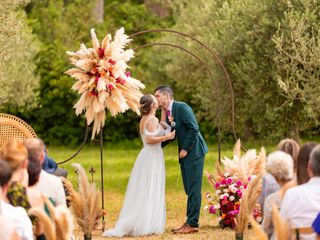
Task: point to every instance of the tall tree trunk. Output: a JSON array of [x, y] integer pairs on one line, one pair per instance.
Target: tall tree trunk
[[98, 11]]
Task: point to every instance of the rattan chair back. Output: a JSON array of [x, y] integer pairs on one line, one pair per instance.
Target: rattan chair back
[[13, 127]]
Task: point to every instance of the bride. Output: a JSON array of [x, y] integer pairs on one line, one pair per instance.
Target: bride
[[143, 211]]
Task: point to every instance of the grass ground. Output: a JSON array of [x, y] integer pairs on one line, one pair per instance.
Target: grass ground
[[118, 162]]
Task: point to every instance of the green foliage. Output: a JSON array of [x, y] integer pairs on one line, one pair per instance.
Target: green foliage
[[244, 35], [297, 59], [18, 48], [60, 26]]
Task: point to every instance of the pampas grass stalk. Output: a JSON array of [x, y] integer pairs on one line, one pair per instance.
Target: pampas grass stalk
[[258, 231], [282, 228], [59, 226], [248, 201], [85, 203]]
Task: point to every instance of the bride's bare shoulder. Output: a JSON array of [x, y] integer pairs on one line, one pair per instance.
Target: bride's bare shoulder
[[152, 124]]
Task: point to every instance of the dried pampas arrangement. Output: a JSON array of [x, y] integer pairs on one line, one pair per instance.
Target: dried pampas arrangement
[[248, 203], [85, 204], [59, 226], [241, 167], [103, 80]]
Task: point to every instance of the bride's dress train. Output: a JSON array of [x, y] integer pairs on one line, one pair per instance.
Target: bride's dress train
[[143, 211]]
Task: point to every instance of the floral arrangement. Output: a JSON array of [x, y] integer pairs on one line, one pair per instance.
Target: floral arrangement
[[103, 80], [231, 184], [229, 192]]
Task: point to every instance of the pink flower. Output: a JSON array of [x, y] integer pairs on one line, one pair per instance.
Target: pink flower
[[223, 181], [128, 74], [239, 193], [239, 183], [217, 185], [232, 213], [229, 180], [212, 210]]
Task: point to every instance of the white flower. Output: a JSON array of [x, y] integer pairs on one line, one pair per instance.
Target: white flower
[[221, 196], [210, 199], [253, 177], [241, 188], [231, 198], [218, 192], [219, 219], [217, 206], [226, 174], [225, 190], [206, 208]]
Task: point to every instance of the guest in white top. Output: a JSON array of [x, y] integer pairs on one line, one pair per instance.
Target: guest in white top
[[301, 204], [17, 215], [49, 185], [7, 229]]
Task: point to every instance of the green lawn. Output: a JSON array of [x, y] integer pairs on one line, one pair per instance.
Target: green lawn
[[119, 160]]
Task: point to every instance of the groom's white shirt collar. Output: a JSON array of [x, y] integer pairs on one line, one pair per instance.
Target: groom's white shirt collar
[[170, 106]]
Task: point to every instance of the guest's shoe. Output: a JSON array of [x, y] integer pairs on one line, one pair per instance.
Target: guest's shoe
[[177, 229], [187, 229]]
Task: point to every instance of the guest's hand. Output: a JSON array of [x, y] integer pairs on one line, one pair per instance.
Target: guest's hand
[[183, 153]]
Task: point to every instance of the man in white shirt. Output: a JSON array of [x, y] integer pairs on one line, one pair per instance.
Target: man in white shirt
[[301, 204], [49, 185], [17, 215]]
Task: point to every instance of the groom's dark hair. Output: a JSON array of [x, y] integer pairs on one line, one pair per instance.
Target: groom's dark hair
[[166, 89]]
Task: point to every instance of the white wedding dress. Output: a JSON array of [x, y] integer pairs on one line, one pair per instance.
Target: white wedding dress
[[144, 211]]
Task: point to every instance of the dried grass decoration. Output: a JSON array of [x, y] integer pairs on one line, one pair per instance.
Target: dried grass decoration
[[103, 80], [85, 204]]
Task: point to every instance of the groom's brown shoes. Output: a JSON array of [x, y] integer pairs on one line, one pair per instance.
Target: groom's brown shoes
[[176, 229], [186, 229]]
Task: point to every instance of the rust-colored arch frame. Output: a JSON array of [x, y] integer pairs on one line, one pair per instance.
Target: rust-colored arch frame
[[214, 57]]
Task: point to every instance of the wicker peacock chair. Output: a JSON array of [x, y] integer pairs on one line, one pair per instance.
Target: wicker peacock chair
[[13, 127]]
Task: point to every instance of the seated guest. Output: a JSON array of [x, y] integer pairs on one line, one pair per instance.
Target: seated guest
[[16, 155], [301, 204], [50, 166], [17, 215], [291, 147], [49, 185], [7, 229], [280, 166], [302, 163]]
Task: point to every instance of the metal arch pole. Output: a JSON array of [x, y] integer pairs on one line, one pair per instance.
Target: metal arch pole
[[208, 70], [215, 57], [86, 133], [102, 177]]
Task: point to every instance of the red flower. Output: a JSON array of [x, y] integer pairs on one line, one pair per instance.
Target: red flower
[[110, 87], [112, 62], [101, 52], [94, 92], [96, 80], [120, 80]]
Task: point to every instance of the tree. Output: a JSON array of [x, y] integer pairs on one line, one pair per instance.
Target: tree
[[241, 33], [298, 60], [18, 48]]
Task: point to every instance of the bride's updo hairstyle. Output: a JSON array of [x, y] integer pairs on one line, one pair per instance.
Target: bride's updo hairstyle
[[146, 104]]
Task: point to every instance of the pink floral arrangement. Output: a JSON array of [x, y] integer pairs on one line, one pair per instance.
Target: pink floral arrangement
[[228, 193]]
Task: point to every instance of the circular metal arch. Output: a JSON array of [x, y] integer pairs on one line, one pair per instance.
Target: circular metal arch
[[214, 57]]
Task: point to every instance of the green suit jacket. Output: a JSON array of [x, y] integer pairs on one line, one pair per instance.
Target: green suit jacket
[[187, 132]]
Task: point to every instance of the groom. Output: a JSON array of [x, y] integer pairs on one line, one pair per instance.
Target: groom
[[192, 150]]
